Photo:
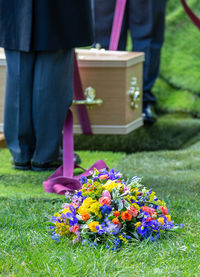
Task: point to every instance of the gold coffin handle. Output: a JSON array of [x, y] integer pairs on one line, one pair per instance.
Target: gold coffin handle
[[90, 95], [134, 93]]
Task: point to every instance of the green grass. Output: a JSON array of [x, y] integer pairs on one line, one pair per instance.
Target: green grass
[[27, 249], [180, 62], [172, 131]]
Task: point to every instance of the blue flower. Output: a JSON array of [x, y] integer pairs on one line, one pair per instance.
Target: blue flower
[[117, 242], [105, 209], [149, 192], [72, 219], [143, 231], [55, 219], [55, 236]]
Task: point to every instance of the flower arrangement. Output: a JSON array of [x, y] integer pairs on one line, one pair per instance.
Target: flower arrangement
[[111, 211]]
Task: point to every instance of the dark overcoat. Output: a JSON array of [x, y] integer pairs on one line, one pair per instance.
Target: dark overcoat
[[45, 25]]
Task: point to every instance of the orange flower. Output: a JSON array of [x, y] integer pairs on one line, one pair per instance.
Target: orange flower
[[104, 200], [116, 213], [115, 221], [126, 216], [103, 177], [164, 210], [85, 217]]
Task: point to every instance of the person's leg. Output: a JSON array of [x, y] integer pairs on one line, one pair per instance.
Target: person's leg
[[103, 13], [52, 96], [146, 22], [18, 127]]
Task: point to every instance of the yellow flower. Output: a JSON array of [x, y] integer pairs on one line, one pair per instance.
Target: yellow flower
[[168, 217], [134, 190], [152, 196], [87, 202], [110, 185], [161, 220], [83, 210], [95, 208], [136, 206], [57, 214], [129, 198], [138, 224], [92, 226], [64, 211], [123, 239], [161, 203], [62, 229]]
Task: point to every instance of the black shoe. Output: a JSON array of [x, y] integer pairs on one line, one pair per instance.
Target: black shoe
[[77, 159], [148, 115], [45, 166], [22, 166]]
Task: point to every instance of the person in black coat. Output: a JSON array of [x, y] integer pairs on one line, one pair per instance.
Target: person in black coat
[[38, 38], [145, 19]]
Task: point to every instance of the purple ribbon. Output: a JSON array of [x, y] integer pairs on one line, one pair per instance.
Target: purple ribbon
[[78, 95], [62, 179], [117, 24]]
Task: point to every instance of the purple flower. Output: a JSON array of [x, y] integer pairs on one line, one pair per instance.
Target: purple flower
[[149, 192], [83, 180], [112, 228], [125, 188], [68, 194], [72, 209], [65, 205], [100, 229], [55, 219], [77, 200], [72, 219], [106, 193]]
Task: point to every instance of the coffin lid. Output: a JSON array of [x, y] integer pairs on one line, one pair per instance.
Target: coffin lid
[[105, 58]]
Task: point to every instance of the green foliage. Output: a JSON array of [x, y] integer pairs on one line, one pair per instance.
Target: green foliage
[[180, 55], [180, 62]]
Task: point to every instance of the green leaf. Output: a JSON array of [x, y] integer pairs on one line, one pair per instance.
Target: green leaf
[[134, 234], [126, 205], [114, 193], [120, 204]]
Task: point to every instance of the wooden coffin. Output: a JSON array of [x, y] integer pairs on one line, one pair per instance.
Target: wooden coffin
[[2, 86], [115, 76]]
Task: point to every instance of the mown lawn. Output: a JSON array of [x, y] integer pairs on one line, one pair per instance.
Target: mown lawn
[[26, 248]]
